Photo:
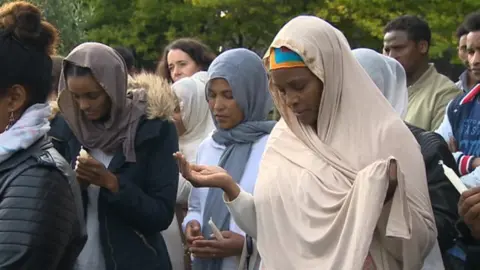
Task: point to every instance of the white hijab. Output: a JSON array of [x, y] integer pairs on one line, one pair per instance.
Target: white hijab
[[195, 113], [389, 76], [320, 194]]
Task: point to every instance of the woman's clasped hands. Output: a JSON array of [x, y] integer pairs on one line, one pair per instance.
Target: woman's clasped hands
[[91, 171]]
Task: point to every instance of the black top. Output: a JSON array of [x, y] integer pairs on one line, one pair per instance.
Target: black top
[[443, 195], [41, 224], [131, 219]]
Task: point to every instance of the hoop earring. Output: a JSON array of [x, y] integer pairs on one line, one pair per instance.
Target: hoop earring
[[11, 121]]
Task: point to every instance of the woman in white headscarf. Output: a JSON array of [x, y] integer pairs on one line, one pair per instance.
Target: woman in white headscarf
[[194, 123], [342, 183], [389, 76]]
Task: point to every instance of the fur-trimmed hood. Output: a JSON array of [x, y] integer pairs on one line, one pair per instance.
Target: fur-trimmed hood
[[157, 91], [55, 110]]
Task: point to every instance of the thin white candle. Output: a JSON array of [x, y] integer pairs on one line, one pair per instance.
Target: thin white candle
[[454, 179], [215, 230]]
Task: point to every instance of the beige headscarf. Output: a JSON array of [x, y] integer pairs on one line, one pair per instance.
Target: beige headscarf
[[320, 195], [110, 71]]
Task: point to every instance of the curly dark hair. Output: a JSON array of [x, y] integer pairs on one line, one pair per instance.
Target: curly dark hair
[[199, 52], [27, 42]]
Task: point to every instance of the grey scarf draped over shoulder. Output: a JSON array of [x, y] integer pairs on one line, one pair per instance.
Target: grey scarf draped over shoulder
[[246, 75]]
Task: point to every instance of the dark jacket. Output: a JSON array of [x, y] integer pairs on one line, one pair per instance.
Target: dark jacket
[[443, 195], [131, 220], [60, 135], [41, 222]]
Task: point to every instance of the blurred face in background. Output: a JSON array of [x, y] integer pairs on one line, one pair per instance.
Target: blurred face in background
[[181, 65], [473, 53]]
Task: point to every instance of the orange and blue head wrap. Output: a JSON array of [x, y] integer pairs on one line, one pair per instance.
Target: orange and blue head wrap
[[285, 58]]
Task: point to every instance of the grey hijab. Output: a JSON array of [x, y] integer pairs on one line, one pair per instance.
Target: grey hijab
[[246, 75], [110, 71]]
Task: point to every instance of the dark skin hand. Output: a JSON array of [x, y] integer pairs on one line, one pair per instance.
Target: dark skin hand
[[392, 180], [231, 245], [469, 209], [193, 232], [90, 171], [453, 146], [207, 176], [216, 177]]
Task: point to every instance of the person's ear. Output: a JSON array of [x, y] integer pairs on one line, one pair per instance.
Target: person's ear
[[17, 98], [423, 46]]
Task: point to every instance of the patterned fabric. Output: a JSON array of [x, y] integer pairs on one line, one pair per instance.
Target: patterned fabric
[[32, 126], [285, 58]]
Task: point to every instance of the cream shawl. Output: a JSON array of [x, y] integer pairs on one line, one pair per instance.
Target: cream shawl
[[320, 194], [388, 75], [195, 113]]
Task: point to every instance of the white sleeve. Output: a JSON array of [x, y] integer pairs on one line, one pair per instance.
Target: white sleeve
[[183, 191], [194, 208], [445, 128], [243, 212], [472, 179]]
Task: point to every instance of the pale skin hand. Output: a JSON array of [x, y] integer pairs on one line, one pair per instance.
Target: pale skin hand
[[207, 176]]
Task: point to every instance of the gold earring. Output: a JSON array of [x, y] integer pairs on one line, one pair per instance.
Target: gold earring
[[11, 121]]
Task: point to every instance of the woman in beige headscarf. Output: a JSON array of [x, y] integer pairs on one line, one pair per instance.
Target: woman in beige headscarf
[[342, 182]]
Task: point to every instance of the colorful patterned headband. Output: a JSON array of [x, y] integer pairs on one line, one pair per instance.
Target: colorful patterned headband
[[285, 58]]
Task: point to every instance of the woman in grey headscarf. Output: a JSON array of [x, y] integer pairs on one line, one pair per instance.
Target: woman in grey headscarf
[[238, 97], [123, 146]]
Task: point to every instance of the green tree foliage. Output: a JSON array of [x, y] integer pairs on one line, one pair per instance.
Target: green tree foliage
[[149, 25], [69, 16], [251, 24], [372, 15]]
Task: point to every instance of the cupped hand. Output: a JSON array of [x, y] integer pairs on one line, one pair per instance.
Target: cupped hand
[[230, 245], [202, 175]]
